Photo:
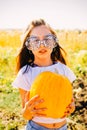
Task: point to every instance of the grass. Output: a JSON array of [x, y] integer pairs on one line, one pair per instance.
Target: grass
[[10, 101]]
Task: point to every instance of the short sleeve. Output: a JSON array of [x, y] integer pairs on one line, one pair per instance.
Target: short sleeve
[[66, 71], [21, 81], [70, 74]]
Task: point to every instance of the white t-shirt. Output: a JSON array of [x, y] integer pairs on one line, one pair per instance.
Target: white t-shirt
[[24, 81]]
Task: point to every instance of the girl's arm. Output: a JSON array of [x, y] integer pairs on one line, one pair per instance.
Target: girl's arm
[[25, 98], [29, 105]]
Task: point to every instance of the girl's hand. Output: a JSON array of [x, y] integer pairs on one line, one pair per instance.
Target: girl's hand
[[30, 110], [70, 108]]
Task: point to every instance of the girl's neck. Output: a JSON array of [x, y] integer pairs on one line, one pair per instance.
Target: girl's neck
[[43, 62]]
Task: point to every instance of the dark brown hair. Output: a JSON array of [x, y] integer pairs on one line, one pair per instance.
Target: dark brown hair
[[26, 57]]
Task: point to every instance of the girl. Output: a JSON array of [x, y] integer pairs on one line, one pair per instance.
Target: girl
[[40, 52]]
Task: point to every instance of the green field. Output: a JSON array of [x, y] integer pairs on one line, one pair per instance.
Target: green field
[[74, 43]]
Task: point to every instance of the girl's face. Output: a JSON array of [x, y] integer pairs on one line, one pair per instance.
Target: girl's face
[[41, 42]]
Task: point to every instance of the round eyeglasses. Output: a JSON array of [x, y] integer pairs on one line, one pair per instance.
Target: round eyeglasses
[[33, 43]]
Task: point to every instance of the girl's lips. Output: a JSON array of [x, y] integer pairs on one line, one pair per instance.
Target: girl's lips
[[42, 51]]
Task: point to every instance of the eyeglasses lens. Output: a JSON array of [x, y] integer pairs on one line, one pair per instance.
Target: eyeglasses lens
[[34, 43]]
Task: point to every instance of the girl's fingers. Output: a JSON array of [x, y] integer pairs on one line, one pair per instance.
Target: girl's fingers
[[34, 99], [38, 114], [39, 109], [34, 104], [34, 109]]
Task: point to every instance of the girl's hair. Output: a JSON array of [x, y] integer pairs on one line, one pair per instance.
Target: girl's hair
[[26, 57]]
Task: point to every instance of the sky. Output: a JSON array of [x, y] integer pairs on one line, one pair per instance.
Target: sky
[[60, 14]]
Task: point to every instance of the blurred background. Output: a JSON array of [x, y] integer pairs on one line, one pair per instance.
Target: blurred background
[[69, 19]]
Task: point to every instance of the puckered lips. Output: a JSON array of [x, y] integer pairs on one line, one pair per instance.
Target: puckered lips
[[42, 51]]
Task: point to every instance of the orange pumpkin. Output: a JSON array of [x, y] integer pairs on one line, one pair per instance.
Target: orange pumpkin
[[55, 89]]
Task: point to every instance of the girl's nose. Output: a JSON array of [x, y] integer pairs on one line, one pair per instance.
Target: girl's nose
[[42, 43]]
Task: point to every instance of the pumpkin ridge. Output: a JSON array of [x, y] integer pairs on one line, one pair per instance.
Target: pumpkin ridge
[[55, 89]]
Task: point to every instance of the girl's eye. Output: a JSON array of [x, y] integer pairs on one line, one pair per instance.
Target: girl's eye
[[49, 37], [33, 40], [47, 40]]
